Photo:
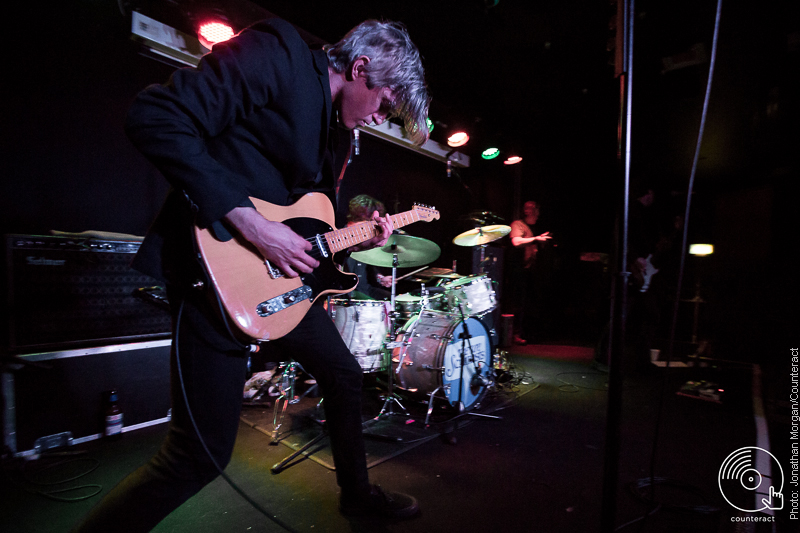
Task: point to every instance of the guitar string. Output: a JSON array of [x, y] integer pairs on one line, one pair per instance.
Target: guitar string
[[398, 221]]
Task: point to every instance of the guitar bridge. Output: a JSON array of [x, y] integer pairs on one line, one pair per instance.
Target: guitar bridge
[[273, 272], [281, 302]]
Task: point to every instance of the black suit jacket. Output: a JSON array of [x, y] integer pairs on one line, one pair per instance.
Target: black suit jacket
[[253, 119]]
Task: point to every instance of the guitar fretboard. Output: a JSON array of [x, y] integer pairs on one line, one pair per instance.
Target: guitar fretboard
[[344, 238]]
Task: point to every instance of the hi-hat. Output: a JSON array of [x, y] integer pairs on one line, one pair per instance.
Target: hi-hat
[[484, 235], [410, 251]]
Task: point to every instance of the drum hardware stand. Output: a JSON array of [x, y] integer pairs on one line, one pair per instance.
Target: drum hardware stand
[[391, 398], [483, 254], [279, 467], [483, 246], [286, 386], [423, 306]]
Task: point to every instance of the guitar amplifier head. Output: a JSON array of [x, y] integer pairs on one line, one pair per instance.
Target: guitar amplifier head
[[66, 292]]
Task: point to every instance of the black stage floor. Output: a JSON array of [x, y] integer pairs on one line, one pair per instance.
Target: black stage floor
[[537, 468]]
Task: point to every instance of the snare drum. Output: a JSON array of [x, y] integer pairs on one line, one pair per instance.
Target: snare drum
[[408, 305], [431, 354], [363, 325], [474, 294]]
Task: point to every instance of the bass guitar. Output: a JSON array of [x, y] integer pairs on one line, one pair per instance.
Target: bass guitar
[[259, 300]]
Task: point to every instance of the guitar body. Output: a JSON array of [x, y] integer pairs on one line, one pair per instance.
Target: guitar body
[[243, 282], [259, 300], [647, 273]]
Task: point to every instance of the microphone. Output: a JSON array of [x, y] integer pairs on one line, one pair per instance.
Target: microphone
[[479, 379], [356, 142]]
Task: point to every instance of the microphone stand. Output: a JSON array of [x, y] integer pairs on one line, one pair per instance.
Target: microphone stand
[[467, 337], [483, 251], [465, 342]]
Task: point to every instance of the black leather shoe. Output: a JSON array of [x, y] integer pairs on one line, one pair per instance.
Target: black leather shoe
[[378, 502]]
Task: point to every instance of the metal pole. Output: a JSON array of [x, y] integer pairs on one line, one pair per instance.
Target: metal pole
[[614, 408]]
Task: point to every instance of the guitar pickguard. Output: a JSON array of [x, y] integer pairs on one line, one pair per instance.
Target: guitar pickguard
[[326, 277]]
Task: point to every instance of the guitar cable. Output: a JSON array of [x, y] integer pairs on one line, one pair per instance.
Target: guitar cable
[[247, 348], [222, 473]]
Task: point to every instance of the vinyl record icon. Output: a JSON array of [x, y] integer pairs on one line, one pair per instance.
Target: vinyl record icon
[[746, 476]]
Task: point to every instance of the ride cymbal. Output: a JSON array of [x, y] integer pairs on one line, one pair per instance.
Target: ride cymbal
[[410, 251]]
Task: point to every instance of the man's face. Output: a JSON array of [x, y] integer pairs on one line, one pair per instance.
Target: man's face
[[360, 105], [530, 209]]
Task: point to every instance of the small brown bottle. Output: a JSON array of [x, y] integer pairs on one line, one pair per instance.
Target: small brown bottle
[[113, 417]]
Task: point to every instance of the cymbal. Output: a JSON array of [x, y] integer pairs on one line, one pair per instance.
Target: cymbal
[[410, 251], [444, 273], [483, 218], [484, 235]]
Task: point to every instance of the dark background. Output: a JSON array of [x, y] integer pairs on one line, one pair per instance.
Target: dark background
[[536, 76]]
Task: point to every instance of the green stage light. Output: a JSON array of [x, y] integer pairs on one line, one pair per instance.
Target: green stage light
[[490, 153]]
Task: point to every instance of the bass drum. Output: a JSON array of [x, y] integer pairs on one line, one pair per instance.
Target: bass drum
[[430, 356], [363, 325]]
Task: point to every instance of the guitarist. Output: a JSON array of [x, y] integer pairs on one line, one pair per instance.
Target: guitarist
[[257, 117], [652, 237]]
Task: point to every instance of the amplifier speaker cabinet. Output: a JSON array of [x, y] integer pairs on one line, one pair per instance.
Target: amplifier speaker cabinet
[[66, 292], [50, 394]]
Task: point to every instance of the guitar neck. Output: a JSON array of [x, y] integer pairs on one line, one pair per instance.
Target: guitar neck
[[344, 238]]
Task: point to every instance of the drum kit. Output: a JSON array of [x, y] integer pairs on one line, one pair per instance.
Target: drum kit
[[432, 343]]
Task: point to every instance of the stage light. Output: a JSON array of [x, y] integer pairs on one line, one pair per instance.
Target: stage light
[[429, 122], [701, 249], [459, 138], [490, 153], [513, 160], [212, 32]]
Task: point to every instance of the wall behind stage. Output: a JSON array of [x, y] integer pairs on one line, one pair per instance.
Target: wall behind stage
[[68, 165]]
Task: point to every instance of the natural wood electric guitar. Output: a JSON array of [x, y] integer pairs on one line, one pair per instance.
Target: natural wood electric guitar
[[259, 300]]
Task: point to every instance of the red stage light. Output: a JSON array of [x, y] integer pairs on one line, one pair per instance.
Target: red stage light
[[211, 33], [458, 139], [512, 160]]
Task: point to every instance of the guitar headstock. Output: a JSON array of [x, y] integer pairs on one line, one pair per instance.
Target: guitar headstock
[[425, 212]]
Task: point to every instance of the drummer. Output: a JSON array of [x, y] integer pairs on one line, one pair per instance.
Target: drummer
[[372, 284]]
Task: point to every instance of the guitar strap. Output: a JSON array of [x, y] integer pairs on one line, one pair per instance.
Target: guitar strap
[[344, 166]]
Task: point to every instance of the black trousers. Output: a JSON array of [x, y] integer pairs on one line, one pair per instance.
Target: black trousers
[[213, 368]]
